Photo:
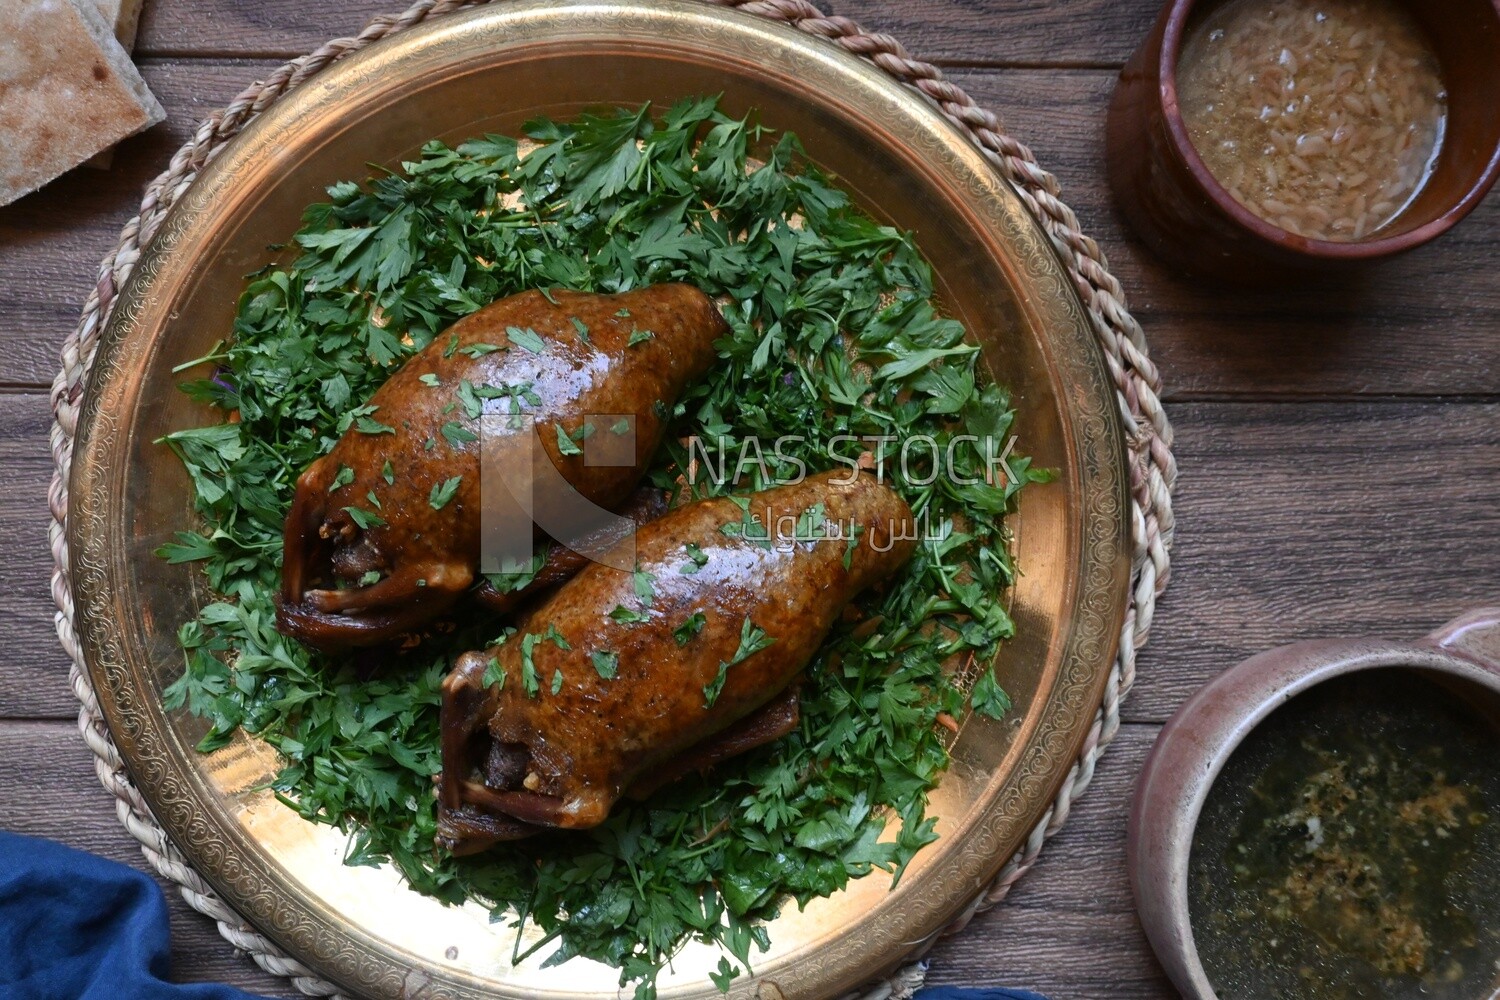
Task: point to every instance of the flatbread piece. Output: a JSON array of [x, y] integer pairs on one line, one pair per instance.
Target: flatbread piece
[[67, 90]]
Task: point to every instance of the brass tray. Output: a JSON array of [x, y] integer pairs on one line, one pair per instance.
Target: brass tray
[[489, 70]]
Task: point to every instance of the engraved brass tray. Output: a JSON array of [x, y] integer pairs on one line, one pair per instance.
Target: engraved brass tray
[[489, 70]]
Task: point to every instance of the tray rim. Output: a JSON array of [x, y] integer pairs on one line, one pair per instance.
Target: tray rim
[[1106, 554]]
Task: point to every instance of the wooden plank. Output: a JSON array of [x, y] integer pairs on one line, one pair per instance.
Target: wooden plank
[[1296, 521], [51, 242], [1068, 929], [48, 783], [1319, 520], [34, 675], [987, 31], [1421, 324]]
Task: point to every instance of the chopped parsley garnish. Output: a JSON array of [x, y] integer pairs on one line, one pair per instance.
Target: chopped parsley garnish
[[458, 434], [697, 559], [644, 584], [685, 632], [369, 425], [527, 338], [494, 674], [468, 395], [627, 616], [529, 682], [343, 477], [639, 337], [443, 492], [555, 637], [752, 640], [606, 662], [565, 444], [365, 518], [715, 687]]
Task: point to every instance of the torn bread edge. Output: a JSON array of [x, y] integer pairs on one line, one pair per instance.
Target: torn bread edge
[[125, 15], [73, 92]]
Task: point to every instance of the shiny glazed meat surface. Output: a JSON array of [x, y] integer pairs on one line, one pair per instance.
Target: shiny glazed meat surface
[[623, 680], [361, 571]]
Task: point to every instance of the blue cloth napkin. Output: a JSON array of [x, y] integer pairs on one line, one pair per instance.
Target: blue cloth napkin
[[77, 927]]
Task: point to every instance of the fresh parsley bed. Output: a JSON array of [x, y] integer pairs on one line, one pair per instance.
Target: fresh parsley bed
[[835, 336]]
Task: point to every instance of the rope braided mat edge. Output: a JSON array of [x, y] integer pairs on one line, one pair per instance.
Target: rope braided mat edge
[[1153, 470]]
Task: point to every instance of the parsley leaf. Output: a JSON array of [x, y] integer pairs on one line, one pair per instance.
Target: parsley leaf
[[988, 697], [644, 584], [365, 518], [529, 681], [715, 687], [565, 445], [606, 662], [557, 638], [752, 640], [368, 425], [527, 338], [697, 559], [443, 492], [458, 434], [685, 632], [494, 675]]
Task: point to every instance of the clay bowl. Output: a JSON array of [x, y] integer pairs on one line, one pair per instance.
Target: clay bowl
[[1198, 741], [1167, 193]]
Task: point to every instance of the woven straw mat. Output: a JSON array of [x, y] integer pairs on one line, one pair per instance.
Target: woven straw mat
[[1148, 436]]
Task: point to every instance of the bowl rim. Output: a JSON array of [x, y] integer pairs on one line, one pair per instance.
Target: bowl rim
[[1199, 739], [1182, 146]]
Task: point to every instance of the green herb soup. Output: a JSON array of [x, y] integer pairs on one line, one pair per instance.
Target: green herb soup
[[1347, 850]]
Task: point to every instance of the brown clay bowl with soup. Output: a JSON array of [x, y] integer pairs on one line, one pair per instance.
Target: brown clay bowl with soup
[[1185, 212], [1322, 822]]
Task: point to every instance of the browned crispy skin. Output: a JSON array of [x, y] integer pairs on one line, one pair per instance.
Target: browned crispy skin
[[427, 558], [562, 759]]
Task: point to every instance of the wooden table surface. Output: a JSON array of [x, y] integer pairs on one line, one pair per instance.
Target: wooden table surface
[[1339, 446]]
